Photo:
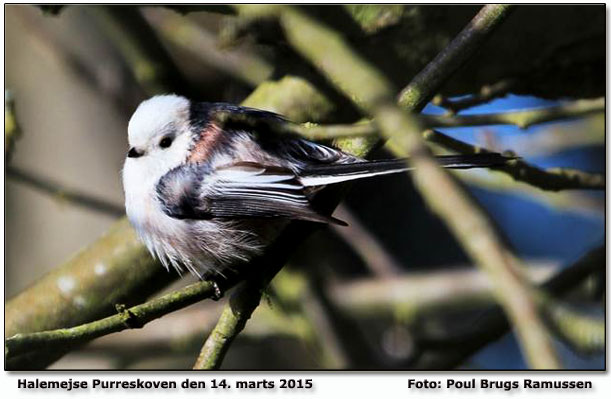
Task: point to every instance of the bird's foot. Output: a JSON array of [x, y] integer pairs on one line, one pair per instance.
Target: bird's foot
[[218, 293]]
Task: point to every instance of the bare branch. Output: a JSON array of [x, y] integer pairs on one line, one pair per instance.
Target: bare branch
[[446, 352], [486, 93], [453, 56], [411, 294], [203, 45], [148, 60], [552, 179], [522, 119], [232, 321], [134, 317], [62, 193]]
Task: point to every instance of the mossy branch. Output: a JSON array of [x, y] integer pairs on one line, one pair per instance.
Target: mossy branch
[[424, 86], [126, 318], [115, 269], [407, 295], [232, 321]]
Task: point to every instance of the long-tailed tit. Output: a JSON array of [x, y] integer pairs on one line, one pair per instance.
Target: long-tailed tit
[[204, 196]]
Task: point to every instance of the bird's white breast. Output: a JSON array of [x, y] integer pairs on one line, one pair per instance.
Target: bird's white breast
[[142, 206], [197, 245]]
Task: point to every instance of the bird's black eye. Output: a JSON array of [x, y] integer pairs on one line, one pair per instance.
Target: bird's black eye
[[165, 142]]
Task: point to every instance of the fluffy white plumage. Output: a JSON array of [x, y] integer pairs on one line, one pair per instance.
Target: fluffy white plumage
[[203, 195], [154, 116], [198, 245]]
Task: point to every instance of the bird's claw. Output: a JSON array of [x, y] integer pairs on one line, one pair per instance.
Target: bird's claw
[[218, 293]]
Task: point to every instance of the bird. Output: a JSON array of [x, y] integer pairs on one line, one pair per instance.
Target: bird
[[205, 196]]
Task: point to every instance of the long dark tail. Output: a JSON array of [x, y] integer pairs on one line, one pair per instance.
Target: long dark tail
[[319, 175]]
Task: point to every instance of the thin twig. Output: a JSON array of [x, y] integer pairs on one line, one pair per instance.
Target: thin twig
[[419, 291], [522, 119], [552, 179], [577, 202], [134, 317], [62, 193], [116, 268], [486, 93]]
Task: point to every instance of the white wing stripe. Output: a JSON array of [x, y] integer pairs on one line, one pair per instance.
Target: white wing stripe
[[259, 185], [313, 180]]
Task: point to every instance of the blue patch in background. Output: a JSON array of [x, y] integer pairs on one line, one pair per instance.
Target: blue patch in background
[[534, 229]]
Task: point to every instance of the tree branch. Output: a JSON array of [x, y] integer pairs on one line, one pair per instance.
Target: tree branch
[[148, 60], [419, 292], [522, 119], [445, 352], [134, 317], [450, 59], [232, 321], [412, 294], [486, 93], [470, 226], [62, 193], [242, 65], [553, 179]]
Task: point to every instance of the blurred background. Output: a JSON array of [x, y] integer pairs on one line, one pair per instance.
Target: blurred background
[[75, 78]]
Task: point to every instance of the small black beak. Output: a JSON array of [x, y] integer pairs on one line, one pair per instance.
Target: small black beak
[[133, 153]]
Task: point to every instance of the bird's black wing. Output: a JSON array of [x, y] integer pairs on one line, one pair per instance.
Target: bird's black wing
[[241, 190]]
